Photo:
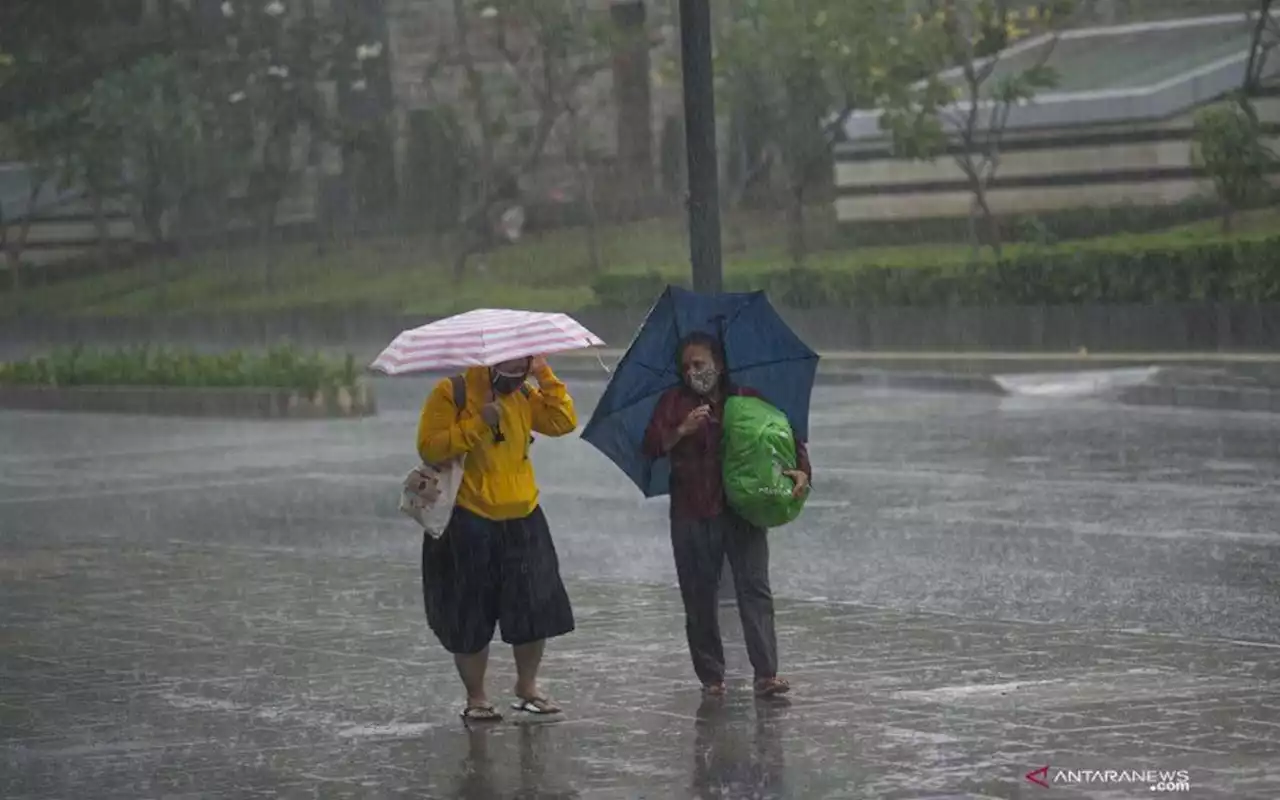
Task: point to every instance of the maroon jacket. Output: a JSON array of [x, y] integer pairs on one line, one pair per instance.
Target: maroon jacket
[[697, 484]]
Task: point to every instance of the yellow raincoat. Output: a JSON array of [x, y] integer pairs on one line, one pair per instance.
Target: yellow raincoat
[[497, 479]]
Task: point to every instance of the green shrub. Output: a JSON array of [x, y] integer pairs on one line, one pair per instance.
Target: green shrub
[[280, 368], [1043, 227], [1176, 271]]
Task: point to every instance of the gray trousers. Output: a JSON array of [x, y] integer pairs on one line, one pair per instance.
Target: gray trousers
[[700, 547]]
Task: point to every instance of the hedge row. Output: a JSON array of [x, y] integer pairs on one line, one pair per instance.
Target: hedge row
[[280, 368], [1178, 272], [1046, 228]]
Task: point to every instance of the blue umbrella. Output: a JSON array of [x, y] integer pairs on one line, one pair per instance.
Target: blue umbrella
[[762, 353]]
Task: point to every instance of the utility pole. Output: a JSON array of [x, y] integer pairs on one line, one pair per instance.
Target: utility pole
[[703, 167]]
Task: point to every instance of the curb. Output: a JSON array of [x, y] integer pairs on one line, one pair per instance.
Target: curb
[[1252, 399], [237, 403], [949, 382], [1210, 398]]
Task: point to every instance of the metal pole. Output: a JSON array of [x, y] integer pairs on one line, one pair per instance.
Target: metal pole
[[700, 145], [703, 166]]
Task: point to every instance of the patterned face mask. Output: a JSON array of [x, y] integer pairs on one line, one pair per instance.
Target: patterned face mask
[[704, 381], [506, 384]]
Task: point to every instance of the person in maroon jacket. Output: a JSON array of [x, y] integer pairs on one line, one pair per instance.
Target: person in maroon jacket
[[686, 428]]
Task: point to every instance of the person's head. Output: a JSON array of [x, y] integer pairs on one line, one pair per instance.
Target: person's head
[[509, 376], [702, 363]]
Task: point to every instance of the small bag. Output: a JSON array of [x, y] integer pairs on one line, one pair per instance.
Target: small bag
[[429, 490]]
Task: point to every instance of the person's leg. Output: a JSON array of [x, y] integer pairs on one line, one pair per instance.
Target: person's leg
[[472, 668], [698, 548], [460, 596], [748, 549], [534, 604], [528, 661]]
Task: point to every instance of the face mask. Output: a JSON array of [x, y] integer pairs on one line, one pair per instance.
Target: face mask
[[704, 381], [506, 384]]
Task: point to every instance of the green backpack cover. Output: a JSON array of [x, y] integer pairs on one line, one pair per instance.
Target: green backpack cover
[[757, 446]]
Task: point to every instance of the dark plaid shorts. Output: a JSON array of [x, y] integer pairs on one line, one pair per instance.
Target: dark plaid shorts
[[481, 573]]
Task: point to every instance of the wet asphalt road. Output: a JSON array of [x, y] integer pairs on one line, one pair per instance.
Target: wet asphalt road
[[1069, 512], [1090, 515], [205, 608]]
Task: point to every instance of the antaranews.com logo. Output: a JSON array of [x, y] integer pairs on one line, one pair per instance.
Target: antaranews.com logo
[[1156, 780]]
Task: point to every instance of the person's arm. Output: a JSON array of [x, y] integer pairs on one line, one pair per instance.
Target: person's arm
[[663, 431], [802, 459], [551, 406], [440, 435]]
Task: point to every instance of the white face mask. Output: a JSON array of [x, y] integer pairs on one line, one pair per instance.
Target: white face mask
[[705, 380]]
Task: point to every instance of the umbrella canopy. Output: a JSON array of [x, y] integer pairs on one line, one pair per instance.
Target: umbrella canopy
[[482, 338], [762, 353]]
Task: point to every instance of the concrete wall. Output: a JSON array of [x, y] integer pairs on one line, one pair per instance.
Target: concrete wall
[[1190, 328], [1101, 166], [1079, 149]]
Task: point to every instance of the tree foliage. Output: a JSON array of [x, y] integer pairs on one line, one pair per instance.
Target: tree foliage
[[802, 67], [966, 40], [524, 66], [1228, 145]]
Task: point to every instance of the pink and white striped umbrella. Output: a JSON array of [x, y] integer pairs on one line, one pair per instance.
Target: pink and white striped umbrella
[[482, 338]]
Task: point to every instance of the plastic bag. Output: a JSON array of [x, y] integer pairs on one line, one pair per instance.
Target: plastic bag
[[758, 445], [428, 495]]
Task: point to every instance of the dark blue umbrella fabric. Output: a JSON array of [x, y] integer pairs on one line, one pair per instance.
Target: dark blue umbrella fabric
[[762, 353]]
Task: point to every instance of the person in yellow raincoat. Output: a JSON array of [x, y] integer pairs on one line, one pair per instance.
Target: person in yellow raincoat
[[495, 564]]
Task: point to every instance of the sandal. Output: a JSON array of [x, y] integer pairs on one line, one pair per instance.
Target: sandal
[[714, 689], [536, 705], [771, 687], [480, 713]]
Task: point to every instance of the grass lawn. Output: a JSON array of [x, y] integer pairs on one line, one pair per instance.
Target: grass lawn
[[544, 272]]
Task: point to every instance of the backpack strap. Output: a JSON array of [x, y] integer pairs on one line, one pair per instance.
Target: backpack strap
[[459, 383]]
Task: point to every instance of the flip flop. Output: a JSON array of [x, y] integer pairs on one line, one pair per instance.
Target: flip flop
[[480, 714], [772, 687], [536, 705]]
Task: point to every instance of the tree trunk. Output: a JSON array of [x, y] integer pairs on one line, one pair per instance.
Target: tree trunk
[[15, 270], [460, 260], [990, 223], [587, 185], [478, 94], [795, 227], [266, 239], [16, 245], [1253, 68], [101, 231], [594, 260]]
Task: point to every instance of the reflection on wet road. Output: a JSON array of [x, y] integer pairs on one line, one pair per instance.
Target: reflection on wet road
[[980, 586]]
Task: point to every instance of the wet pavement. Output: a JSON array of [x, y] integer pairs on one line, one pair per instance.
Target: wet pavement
[[982, 586]]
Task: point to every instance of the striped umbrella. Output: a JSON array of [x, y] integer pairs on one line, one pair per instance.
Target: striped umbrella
[[482, 338]]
